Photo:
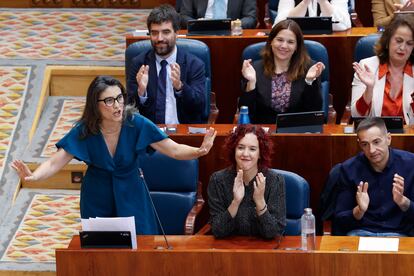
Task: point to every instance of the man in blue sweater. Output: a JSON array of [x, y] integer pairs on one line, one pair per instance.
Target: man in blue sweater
[[377, 186]]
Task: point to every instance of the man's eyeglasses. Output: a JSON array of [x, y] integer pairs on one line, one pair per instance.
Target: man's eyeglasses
[[110, 101]]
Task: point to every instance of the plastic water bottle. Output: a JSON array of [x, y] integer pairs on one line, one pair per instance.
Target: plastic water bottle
[[244, 115], [308, 230]]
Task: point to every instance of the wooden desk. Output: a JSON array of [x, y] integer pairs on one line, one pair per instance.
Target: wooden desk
[[309, 155], [204, 255], [226, 64]]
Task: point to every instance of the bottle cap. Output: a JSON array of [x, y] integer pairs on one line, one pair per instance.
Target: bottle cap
[[308, 210], [244, 109]]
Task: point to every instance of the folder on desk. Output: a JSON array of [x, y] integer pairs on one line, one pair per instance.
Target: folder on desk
[[314, 25], [300, 122], [209, 27]]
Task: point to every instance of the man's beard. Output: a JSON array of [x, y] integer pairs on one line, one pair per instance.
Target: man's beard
[[164, 50]]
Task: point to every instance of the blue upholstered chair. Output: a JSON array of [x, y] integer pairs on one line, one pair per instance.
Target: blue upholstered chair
[[297, 199], [175, 190], [195, 47], [327, 203], [316, 51], [364, 47]]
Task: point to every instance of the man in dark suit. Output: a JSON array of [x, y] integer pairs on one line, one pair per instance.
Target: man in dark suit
[[245, 10], [166, 84]]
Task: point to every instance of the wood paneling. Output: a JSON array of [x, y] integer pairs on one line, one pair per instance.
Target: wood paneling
[[204, 255]]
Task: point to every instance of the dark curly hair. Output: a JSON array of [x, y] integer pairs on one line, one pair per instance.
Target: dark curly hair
[[382, 45], [265, 145]]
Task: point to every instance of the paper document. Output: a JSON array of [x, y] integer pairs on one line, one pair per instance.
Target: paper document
[[194, 130], [378, 244], [112, 224]]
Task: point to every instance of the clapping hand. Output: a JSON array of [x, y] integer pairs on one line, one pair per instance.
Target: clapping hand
[[248, 71], [259, 188], [398, 193], [408, 6], [364, 74], [207, 141], [176, 76], [22, 170], [362, 196], [238, 187], [315, 71], [142, 79]]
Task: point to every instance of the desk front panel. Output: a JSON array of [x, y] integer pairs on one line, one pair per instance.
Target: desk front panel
[[204, 255]]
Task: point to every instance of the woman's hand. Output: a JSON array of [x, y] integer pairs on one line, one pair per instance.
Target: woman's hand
[[408, 6], [364, 74], [238, 187], [315, 71], [207, 141], [248, 71], [22, 170], [259, 188]]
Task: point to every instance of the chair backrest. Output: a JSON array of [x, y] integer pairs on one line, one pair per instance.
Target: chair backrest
[[173, 188], [195, 47], [316, 51], [297, 199], [328, 200], [364, 47]]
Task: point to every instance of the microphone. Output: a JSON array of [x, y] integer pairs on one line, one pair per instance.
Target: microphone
[[141, 174]]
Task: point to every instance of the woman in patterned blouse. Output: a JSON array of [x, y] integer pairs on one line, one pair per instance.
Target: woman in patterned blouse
[[285, 80]]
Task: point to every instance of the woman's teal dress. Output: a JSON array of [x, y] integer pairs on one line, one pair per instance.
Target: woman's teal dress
[[112, 186]]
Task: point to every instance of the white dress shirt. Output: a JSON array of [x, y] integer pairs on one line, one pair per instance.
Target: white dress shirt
[[171, 116], [209, 11]]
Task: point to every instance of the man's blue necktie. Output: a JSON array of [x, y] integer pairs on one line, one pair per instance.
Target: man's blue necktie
[[219, 9], [161, 94]]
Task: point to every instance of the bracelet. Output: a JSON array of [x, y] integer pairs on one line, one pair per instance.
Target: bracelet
[[264, 208]]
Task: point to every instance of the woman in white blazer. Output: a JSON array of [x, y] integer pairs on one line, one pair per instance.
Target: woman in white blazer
[[383, 85], [338, 9]]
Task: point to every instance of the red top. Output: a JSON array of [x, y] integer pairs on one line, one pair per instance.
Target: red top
[[390, 107]]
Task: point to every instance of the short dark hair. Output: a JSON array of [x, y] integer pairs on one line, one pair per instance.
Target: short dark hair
[[91, 117], [265, 145], [369, 122], [382, 45], [164, 13]]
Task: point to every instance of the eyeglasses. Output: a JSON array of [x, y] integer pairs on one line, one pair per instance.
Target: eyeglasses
[[110, 101]]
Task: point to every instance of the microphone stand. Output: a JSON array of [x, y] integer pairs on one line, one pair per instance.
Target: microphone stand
[[141, 174]]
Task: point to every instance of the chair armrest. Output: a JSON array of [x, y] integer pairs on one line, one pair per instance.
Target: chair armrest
[[194, 212], [355, 20], [327, 228], [346, 117], [214, 111], [331, 111], [205, 230], [236, 115]]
